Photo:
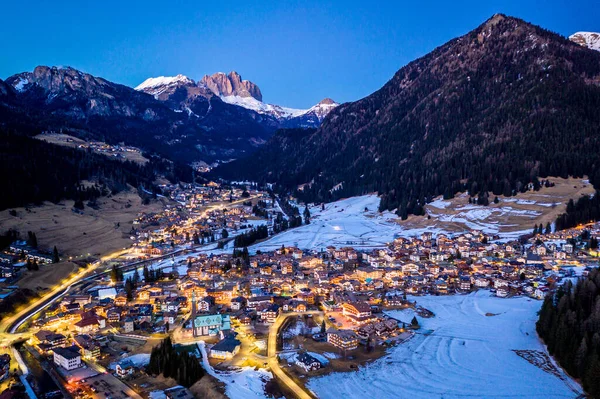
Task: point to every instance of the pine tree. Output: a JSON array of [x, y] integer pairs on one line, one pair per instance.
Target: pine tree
[[55, 257], [414, 323], [306, 215], [580, 357]]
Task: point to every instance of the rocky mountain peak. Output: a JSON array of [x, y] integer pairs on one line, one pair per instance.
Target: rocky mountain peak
[[495, 19], [327, 101], [231, 84], [590, 40], [57, 80]]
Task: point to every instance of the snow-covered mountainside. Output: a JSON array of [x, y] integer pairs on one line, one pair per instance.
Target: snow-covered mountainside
[[159, 83], [590, 40], [263, 108], [318, 111], [232, 89], [323, 108]]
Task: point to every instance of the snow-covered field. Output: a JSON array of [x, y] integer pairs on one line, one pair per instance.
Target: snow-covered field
[[476, 216], [342, 223], [467, 354], [355, 222], [243, 383]]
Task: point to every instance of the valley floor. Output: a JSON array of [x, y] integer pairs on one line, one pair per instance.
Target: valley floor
[[476, 346]]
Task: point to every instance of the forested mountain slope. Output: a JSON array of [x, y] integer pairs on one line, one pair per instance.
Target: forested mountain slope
[[489, 111]]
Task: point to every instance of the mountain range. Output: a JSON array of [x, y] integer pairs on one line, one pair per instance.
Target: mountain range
[[182, 93], [489, 112], [492, 111], [220, 117]]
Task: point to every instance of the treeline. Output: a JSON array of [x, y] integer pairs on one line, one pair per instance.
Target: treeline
[[585, 210], [569, 323], [34, 171], [165, 360], [250, 237]]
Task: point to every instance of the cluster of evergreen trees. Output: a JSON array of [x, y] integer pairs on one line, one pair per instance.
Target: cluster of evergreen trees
[[260, 209], [165, 360], [585, 210], [282, 224], [250, 237], [32, 264], [569, 323], [541, 230], [204, 237], [152, 275]]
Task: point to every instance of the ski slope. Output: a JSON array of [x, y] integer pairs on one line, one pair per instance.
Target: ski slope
[[466, 354]]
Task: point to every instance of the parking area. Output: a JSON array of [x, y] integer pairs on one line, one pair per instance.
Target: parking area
[[107, 386]]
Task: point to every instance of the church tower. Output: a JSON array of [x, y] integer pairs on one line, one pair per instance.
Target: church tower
[[193, 317]]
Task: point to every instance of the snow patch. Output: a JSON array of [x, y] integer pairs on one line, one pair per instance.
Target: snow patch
[[20, 85]]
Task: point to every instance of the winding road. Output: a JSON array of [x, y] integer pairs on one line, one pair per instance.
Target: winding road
[[299, 391]]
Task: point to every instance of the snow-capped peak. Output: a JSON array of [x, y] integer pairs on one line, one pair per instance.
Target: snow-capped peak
[[590, 40], [232, 89], [163, 81], [323, 108]]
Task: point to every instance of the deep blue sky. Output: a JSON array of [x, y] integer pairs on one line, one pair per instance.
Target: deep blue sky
[[298, 52]]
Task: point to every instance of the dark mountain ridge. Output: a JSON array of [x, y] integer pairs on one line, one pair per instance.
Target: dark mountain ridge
[[53, 98], [490, 111]]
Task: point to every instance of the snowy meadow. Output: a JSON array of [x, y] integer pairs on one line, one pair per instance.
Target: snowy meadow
[[476, 346]]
